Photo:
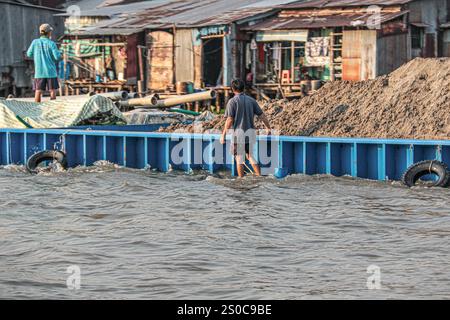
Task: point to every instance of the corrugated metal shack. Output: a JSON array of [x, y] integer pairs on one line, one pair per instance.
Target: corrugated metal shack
[[19, 25], [96, 57], [322, 40], [181, 41]]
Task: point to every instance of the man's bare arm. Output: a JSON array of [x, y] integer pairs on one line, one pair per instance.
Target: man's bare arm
[[228, 126], [265, 121]]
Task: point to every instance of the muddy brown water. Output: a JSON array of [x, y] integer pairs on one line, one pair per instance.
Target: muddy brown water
[[147, 235]]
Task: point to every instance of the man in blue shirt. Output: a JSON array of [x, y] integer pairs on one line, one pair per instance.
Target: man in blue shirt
[[45, 54]]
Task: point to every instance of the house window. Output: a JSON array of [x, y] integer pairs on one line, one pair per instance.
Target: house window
[[416, 37]]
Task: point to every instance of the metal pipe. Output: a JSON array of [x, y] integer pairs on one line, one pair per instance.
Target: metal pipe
[[188, 98], [133, 95], [151, 100], [115, 96]]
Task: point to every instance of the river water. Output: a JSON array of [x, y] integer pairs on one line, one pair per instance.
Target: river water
[[147, 235]]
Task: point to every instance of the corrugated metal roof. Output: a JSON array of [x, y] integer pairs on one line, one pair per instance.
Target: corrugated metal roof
[[343, 3], [188, 12], [180, 13], [323, 21], [111, 11], [29, 5]]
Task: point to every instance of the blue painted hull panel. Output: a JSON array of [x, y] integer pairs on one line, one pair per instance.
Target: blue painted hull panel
[[139, 147]]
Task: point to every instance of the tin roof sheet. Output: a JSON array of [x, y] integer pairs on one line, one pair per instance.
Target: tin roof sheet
[[179, 13], [344, 3], [323, 21]]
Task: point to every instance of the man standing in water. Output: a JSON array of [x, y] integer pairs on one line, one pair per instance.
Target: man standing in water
[[240, 113], [45, 54]]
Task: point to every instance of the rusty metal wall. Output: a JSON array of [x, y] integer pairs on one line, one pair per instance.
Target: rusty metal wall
[[392, 53], [351, 56], [160, 60], [359, 54], [19, 25], [132, 58]]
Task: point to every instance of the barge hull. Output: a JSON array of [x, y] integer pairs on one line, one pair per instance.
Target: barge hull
[[373, 159]]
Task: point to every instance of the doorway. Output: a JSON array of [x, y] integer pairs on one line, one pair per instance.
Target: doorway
[[213, 61]]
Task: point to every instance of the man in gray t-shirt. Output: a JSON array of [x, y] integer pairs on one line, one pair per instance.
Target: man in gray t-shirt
[[240, 113]]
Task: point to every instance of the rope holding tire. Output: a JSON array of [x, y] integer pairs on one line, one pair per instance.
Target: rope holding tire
[[424, 168], [48, 155]]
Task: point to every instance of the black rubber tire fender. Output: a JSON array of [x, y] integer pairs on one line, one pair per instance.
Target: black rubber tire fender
[[421, 169], [48, 155]]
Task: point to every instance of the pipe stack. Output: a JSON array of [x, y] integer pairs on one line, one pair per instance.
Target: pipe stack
[[154, 101], [124, 99]]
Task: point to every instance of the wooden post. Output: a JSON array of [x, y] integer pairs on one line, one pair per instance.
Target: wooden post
[[227, 97], [292, 62], [174, 60], [141, 82], [77, 54], [254, 62], [65, 57], [104, 59], [218, 107], [332, 56], [197, 106]]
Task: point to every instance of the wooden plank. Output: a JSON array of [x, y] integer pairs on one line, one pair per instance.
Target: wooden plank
[[184, 56], [198, 66]]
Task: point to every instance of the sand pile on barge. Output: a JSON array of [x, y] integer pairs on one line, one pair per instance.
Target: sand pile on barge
[[413, 102]]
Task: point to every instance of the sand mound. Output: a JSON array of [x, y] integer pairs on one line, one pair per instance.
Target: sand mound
[[413, 102]]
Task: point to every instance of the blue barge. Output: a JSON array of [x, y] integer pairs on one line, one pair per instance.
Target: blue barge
[[140, 147]]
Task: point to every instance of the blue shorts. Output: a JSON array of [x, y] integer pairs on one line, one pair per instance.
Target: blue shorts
[[46, 84]]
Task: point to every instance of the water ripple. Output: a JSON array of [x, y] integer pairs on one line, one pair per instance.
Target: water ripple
[[142, 234]]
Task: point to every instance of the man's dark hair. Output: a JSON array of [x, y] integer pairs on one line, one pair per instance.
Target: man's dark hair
[[238, 85]]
